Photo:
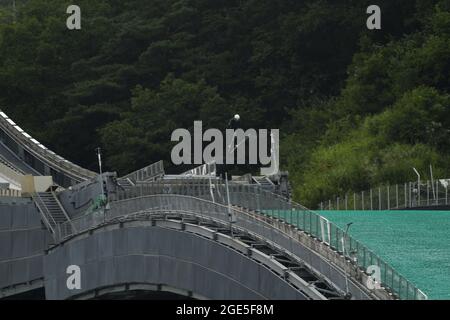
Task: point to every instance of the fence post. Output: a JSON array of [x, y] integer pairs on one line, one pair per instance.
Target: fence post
[[337, 203], [354, 201], [329, 205], [371, 200], [406, 197], [388, 198], [362, 200], [428, 193], [410, 199], [446, 189], [437, 192], [379, 198], [396, 195], [346, 204]]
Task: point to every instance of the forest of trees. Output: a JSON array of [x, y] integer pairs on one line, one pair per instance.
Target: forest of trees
[[355, 107]]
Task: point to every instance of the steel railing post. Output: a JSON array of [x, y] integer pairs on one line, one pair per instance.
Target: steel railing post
[[396, 195], [437, 192], [362, 201], [410, 198], [388, 198], [371, 200], [379, 198]]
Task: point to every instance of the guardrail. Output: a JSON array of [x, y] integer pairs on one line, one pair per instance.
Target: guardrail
[[400, 196], [293, 214], [41, 152], [10, 193], [47, 218], [203, 170], [152, 171]]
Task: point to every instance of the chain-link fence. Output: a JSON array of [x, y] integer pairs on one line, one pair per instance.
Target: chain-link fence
[[400, 196]]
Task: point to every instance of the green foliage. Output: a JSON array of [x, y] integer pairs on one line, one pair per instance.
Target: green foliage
[[393, 114], [354, 107], [145, 130], [420, 116], [362, 163]]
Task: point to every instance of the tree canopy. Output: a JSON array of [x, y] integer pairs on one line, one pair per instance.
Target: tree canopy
[[355, 107]]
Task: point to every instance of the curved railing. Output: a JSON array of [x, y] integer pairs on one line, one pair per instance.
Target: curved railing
[[329, 233], [41, 152], [294, 214]]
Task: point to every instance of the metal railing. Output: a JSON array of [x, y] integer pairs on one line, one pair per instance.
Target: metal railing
[[249, 196], [265, 204], [203, 170], [152, 171], [399, 196], [47, 218], [10, 193]]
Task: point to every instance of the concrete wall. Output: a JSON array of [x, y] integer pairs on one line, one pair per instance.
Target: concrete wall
[[156, 255], [77, 199], [23, 241]]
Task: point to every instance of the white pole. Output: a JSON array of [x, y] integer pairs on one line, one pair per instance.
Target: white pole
[[343, 252], [229, 204], [432, 182], [418, 185], [99, 155], [211, 187]]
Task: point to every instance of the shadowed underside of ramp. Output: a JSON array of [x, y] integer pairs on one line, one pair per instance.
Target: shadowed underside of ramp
[[176, 255]]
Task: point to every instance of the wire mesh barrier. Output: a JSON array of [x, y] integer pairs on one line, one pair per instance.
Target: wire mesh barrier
[[200, 199], [400, 196]]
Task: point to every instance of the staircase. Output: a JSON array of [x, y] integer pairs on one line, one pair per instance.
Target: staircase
[[264, 182], [52, 212], [125, 183]]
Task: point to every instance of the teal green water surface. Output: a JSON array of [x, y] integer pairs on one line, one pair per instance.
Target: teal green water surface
[[415, 243]]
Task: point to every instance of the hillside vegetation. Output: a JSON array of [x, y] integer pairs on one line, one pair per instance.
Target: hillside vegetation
[[354, 107]]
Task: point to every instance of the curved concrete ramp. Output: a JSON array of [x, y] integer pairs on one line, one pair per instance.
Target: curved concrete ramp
[[142, 253], [24, 153]]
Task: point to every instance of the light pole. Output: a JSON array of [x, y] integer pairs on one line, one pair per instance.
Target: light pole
[[99, 155], [235, 120], [348, 295], [233, 124]]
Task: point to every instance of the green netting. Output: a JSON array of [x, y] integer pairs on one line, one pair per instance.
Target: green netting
[[415, 243]]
